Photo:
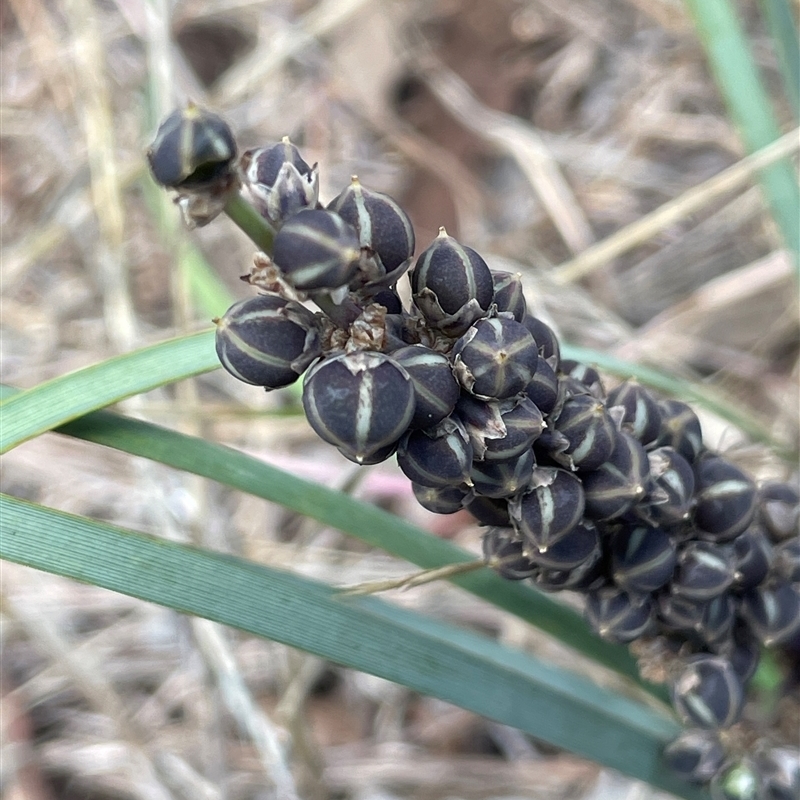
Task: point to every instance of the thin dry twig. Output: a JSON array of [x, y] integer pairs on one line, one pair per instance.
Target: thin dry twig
[[693, 200], [519, 140]]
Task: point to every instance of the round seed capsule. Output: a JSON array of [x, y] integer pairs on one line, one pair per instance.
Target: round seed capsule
[[267, 341], [779, 510], [451, 285], [641, 416], [619, 483], [772, 613], [501, 543], [580, 545], [680, 429], [193, 149], [489, 511], [500, 430], [508, 294], [680, 614], [439, 456], [642, 558], [753, 554], [441, 499], [737, 781], [671, 488], [725, 500], [742, 649], [786, 566], [618, 616], [495, 359], [587, 577], [436, 390], [549, 509], [708, 693], [543, 388], [378, 457], [317, 249], [545, 337], [704, 571], [696, 755], [359, 402], [589, 431], [384, 231], [719, 616], [587, 378], [779, 768], [278, 181], [498, 479]]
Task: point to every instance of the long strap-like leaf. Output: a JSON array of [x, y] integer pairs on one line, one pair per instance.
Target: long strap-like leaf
[[367, 522], [69, 396], [366, 634]]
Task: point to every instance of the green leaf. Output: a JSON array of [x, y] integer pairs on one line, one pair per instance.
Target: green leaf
[[372, 525], [366, 634], [69, 396], [725, 44]]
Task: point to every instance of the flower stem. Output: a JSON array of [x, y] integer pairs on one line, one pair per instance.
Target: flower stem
[[251, 222]]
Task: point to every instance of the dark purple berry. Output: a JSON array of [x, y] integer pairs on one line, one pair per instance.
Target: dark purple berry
[[708, 693], [384, 232], [193, 149], [619, 483], [359, 402], [550, 508], [439, 456], [267, 341], [618, 616], [278, 181], [640, 415], [502, 544], [725, 500], [317, 249], [495, 359], [435, 388], [680, 429], [508, 295], [502, 429], [642, 558], [441, 499], [451, 285]]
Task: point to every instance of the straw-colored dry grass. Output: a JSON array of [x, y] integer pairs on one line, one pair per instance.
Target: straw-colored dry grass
[[576, 140]]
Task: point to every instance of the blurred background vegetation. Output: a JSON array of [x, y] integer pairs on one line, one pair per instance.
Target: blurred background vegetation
[[577, 143]]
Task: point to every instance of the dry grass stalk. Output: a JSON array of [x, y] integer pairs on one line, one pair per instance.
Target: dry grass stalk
[[689, 202]]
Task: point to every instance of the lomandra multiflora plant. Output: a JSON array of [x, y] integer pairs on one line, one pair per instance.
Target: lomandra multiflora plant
[[612, 494]]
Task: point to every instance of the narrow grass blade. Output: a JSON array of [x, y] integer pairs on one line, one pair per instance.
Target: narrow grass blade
[[366, 634], [366, 522], [728, 53], [67, 397], [681, 389], [783, 28]]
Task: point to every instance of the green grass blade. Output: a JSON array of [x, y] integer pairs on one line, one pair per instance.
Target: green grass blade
[[735, 72], [372, 525], [366, 634], [69, 396], [783, 28]]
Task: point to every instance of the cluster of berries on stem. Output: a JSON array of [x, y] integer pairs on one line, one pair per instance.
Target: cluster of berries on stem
[[611, 494]]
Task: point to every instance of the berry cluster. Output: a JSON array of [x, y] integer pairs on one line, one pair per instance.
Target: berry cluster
[[610, 494]]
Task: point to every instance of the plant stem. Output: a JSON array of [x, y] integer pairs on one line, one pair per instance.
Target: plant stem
[[251, 222]]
